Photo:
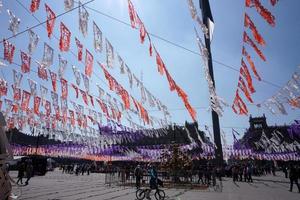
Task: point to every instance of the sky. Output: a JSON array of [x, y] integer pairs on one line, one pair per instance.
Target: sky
[[171, 20]]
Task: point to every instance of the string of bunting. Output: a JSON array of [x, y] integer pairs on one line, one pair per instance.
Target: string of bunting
[[42, 72], [289, 94], [136, 22], [239, 107], [216, 102]]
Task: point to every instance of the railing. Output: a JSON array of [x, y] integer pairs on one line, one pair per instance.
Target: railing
[[123, 178]]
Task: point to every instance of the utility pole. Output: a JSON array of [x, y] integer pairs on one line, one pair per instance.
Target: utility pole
[[208, 20]]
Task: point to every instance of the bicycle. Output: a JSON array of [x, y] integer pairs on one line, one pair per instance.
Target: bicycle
[[141, 193]]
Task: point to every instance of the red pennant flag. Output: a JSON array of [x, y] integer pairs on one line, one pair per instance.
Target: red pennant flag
[[103, 107], [248, 40], [57, 112], [274, 2], [79, 121], [143, 31], [188, 106], [191, 110], [295, 102], [53, 80], [119, 116], [144, 113], [92, 100], [150, 49], [84, 122], [132, 14], [108, 77], [172, 83], [91, 119], [245, 53], [150, 44], [42, 72], [265, 13], [35, 4], [245, 73], [25, 100], [89, 60], [9, 50], [26, 61], [249, 23], [65, 38], [79, 47], [181, 93], [84, 97], [3, 88], [248, 3], [50, 20], [53, 124], [64, 116], [135, 104], [125, 98], [37, 102], [64, 88], [160, 64], [15, 108], [48, 108], [72, 117], [17, 93], [238, 102], [76, 90], [243, 87]]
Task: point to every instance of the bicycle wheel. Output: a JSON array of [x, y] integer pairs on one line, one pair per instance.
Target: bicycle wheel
[[140, 194], [159, 194]]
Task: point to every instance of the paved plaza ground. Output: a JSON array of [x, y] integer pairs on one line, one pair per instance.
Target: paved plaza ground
[[58, 186]]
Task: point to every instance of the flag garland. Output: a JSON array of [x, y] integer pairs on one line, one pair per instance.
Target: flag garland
[[244, 72], [135, 22], [289, 94], [249, 23], [46, 119]]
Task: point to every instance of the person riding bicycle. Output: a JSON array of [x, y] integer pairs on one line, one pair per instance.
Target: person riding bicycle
[[153, 180]]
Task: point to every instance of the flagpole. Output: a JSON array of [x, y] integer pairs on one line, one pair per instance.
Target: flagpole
[[206, 14]]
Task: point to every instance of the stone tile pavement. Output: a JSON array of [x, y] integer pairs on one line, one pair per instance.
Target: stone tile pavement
[[58, 186]]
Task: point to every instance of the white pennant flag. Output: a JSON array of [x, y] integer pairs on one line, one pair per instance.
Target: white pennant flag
[[83, 19], [97, 38], [33, 41], [14, 23], [48, 55], [62, 66], [109, 54]]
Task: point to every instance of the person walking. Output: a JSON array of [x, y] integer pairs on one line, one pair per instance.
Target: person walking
[[29, 171], [21, 171], [285, 171], [200, 175], [293, 178], [138, 173], [249, 173]]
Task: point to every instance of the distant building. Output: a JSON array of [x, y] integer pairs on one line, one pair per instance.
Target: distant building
[[262, 137]]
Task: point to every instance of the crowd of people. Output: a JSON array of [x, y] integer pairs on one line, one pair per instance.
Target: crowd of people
[[76, 169]]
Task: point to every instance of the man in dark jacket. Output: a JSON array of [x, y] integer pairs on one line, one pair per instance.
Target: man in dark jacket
[[138, 173], [294, 178]]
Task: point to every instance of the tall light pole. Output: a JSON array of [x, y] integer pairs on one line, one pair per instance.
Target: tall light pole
[[208, 20]]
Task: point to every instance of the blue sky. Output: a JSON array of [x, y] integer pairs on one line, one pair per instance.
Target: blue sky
[[170, 19]]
